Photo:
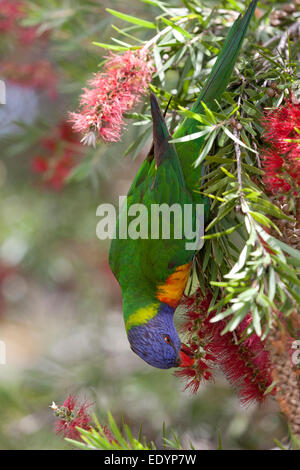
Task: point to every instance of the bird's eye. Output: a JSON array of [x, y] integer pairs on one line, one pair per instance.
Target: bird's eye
[[167, 339]]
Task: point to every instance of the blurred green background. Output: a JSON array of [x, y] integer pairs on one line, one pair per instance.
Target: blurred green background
[[60, 307]]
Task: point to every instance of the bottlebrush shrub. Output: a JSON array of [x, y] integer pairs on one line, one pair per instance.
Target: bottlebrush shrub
[[112, 93], [243, 359]]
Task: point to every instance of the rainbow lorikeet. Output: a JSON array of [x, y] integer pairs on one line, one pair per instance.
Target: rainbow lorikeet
[[151, 270]]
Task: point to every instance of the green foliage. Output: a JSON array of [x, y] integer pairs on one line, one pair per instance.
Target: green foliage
[[115, 438]]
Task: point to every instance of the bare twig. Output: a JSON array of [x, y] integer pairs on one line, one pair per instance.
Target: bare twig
[[281, 49], [292, 30], [237, 149], [257, 155]]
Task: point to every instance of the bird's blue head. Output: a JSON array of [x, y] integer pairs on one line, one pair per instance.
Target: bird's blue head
[[157, 342]]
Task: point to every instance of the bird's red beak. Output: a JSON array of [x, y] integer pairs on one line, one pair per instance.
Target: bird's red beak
[[186, 355]]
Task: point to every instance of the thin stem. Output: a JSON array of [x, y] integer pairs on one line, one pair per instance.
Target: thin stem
[[238, 154], [162, 33]]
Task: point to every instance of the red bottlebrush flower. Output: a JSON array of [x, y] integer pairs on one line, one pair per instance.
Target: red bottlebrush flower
[[280, 123], [40, 164], [112, 93], [26, 36], [187, 356], [60, 171], [281, 161], [66, 132], [43, 77], [39, 75], [244, 360], [246, 363], [196, 363], [49, 143], [10, 12], [108, 435], [71, 414], [61, 151]]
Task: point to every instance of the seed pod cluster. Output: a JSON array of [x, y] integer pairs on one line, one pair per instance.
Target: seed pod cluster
[[280, 16]]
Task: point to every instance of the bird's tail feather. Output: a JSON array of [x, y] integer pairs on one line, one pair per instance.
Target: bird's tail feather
[[160, 130], [212, 90], [222, 70]]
